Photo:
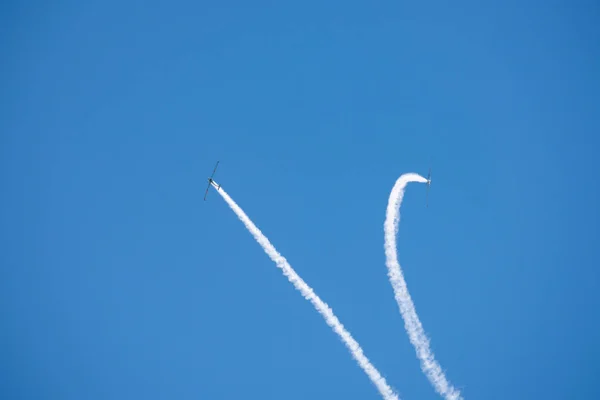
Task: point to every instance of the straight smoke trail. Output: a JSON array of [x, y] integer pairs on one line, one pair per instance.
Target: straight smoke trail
[[308, 293], [413, 326]]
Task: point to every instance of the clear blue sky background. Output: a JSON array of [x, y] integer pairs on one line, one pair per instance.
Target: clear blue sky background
[[118, 282]]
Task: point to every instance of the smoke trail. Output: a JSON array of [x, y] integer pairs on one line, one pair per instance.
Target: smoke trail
[[412, 323], [307, 292]]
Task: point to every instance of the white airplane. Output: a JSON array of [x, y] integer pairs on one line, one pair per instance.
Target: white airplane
[[210, 181], [428, 185]]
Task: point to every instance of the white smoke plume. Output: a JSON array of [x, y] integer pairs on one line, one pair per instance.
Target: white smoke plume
[[307, 292], [416, 334]]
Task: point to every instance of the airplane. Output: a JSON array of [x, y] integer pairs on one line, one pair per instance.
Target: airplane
[[428, 185], [210, 181]]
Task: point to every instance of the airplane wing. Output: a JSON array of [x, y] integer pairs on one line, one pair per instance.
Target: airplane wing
[[214, 170], [428, 186], [210, 180]]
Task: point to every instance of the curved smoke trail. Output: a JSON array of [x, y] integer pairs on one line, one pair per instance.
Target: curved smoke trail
[[308, 293], [413, 326]]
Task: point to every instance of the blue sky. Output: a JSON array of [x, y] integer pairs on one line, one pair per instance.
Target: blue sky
[[118, 282]]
